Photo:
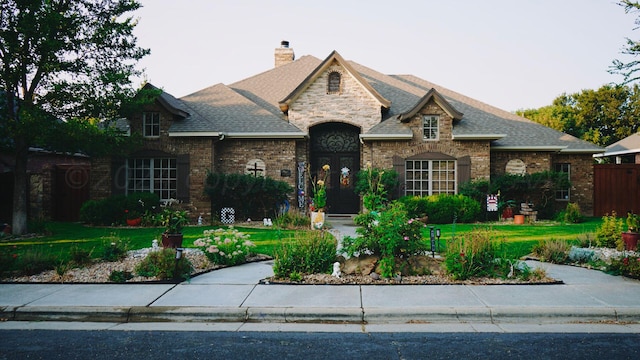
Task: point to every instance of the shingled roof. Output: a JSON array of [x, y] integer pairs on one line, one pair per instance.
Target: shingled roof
[[252, 108]]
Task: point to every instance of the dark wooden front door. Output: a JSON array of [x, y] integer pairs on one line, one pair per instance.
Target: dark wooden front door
[[72, 190], [337, 145]]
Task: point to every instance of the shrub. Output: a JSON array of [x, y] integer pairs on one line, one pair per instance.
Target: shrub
[[292, 219], [390, 233], [163, 265], [308, 253], [118, 276], [114, 248], [80, 256], [608, 233], [443, 209], [581, 255], [253, 197], [627, 266], [572, 214], [225, 246], [553, 251], [377, 186], [113, 210]]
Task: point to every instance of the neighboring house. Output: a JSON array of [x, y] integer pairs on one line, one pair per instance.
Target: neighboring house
[[313, 112], [625, 151]]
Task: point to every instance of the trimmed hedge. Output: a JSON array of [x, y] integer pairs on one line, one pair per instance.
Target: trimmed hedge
[[112, 210], [442, 209]]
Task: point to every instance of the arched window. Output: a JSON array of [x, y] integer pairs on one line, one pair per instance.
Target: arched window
[[333, 87]]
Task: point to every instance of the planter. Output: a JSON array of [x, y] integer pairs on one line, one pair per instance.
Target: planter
[[134, 222], [317, 220], [172, 240], [518, 219], [630, 240], [507, 213]]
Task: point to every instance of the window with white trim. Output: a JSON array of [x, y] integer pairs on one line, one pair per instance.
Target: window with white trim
[[430, 177], [158, 175], [563, 194], [151, 124], [430, 130]]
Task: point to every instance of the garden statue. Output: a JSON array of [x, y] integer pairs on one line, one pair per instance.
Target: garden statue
[[336, 270]]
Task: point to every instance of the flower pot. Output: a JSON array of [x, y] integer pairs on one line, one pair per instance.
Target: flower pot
[[507, 213], [134, 222], [518, 219], [317, 220], [630, 240], [171, 240]]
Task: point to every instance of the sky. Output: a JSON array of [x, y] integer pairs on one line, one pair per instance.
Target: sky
[[512, 54]]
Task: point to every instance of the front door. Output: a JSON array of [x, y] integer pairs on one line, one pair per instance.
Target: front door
[[337, 145]]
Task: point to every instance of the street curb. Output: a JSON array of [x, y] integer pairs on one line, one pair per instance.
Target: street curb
[[76, 313], [186, 314]]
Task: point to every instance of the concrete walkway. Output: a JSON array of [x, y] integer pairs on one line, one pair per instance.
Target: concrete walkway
[[235, 295]]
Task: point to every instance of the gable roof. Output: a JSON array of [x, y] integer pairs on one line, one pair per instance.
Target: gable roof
[[626, 146], [253, 108], [321, 68]]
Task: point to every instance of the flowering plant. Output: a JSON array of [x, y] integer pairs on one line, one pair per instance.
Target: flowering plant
[[320, 189], [225, 246], [172, 219], [131, 214]]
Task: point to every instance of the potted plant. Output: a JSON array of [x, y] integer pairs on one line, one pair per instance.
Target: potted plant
[[173, 220], [630, 238], [319, 201], [133, 217], [507, 208]]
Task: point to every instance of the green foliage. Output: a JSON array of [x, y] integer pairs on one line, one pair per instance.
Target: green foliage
[[116, 209], [632, 222], [118, 276], [37, 260], [292, 219], [608, 233], [552, 250], [628, 265], [80, 256], [163, 265], [114, 249], [377, 186], [225, 246], [442, 209], [475, 254], [252, 197], [319, 186], [389, 234], [308, 253], [572, 214]]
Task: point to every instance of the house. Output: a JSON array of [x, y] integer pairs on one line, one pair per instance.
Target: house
[[308, 112], [626, 150]]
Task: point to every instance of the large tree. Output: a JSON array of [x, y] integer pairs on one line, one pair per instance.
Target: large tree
[[601, 116], [63, 63], [629, 70]]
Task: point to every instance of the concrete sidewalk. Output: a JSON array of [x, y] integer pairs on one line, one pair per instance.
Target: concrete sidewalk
[[235, 295]]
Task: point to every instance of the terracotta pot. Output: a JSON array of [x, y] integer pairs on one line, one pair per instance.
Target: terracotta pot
[[172, 240], [134, 222], [518, 219], [630, 240]]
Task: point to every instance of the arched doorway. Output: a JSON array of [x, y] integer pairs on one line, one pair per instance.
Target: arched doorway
[[338, 145]]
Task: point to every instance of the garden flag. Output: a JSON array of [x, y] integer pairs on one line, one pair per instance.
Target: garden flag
[[492, 202]]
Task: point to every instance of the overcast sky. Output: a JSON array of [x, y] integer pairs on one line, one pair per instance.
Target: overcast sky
[[513, 54]]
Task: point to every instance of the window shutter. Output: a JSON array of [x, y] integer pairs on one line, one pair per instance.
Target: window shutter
[[398, 166], [182, 165], [118, 176], [464, 170]]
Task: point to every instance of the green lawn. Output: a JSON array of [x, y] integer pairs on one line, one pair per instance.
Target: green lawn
[[518, 239]]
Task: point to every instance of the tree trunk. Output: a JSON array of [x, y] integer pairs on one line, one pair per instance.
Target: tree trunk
[[19, 225]]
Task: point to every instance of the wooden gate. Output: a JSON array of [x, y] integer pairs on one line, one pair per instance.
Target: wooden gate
[[71, 191], [616, 188]]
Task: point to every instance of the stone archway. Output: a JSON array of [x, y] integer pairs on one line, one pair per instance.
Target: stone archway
[[338, 145]]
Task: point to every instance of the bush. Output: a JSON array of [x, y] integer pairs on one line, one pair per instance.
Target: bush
[[553, 251], [308, 253], [118, 276], [476, 255], [163, 265], [114, 249], [443, 209], [292, 219], [608, 233], [581, 255], [376, 186], [80, 256], [627, 266], [113, 210], [572, 214], [250, 196], [225, 246], [36, 260]]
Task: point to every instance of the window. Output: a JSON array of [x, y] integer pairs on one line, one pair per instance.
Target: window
[[151, 124], [333, 86], [158, 176], [430, 127], [563, 194], [430, 177]]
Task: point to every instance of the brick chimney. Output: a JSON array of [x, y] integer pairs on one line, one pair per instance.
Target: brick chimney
[[284, 54]]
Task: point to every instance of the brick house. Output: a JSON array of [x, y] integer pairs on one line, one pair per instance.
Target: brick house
[[310, 111]]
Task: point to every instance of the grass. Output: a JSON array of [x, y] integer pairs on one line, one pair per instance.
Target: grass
[[62, 238]]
